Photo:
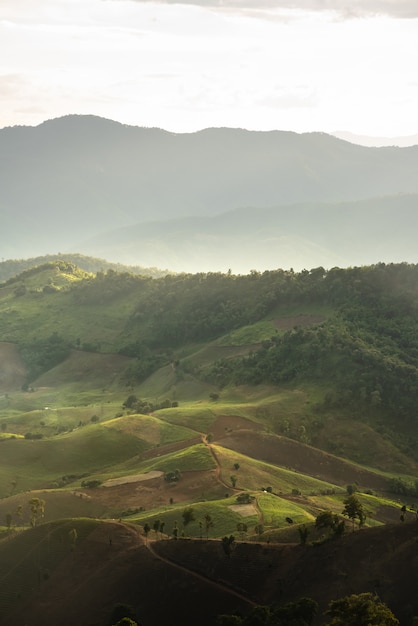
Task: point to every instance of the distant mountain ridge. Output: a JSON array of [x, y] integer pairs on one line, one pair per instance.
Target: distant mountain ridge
[[403, 141], [71, 184], [300, 236]]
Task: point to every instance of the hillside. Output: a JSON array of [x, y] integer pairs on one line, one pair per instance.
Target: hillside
[[185, 581], [13, 267], [98, 177], [153, 410]]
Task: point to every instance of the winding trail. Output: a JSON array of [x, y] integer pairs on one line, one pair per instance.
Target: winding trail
[[220, 587], [218, 470], [219, 477]]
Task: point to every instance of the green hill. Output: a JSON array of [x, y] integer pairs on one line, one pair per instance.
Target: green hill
[[255, 401]]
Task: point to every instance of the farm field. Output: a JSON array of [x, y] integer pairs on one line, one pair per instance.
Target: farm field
[[236, 435]]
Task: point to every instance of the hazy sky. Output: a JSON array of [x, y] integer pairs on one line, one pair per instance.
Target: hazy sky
[[297, 65]]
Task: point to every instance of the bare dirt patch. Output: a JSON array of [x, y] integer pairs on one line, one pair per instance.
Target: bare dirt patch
[[157, 492], [136, 478], [301, 458], [245, 510]]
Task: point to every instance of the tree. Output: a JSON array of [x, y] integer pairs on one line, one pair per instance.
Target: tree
[[121, 613], [364, 609], [19, 512], [8, 520], [188, 516], [326, 519], [156, 526], [299, 613], [242, 529], [130, 402], [259, 529], [175, 530], [73, 536], [303, 534], [233, 480], [147, 528], [329, 520], [209, 523], [37, 510], [228, 544], [353, 509]]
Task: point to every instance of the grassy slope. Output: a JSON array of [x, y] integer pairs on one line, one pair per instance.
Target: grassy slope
[[90, 385], [114, 447]]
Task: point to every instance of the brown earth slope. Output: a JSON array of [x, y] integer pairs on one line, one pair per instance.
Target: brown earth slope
[[188, 582]]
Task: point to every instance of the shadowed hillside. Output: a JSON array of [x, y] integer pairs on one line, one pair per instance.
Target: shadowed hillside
[[188, 581]]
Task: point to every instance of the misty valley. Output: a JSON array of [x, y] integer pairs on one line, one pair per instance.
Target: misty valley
[[208, 378]]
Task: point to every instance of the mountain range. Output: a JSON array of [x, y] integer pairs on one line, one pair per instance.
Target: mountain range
[[213, 200]]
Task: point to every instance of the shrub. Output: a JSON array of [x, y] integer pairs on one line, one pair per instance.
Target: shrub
[[91, 484]]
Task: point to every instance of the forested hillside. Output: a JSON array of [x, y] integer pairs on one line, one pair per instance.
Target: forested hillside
[[234, 199], [13, 267], [269, 413], [351, 332]]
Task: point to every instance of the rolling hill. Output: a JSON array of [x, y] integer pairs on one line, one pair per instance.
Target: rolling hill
[[143, 420], [188, 581]]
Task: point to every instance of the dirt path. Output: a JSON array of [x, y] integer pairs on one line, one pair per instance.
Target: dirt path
[[218, 470], [219, 477], [205, 579]]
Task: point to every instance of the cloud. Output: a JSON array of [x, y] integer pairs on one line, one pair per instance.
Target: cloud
[[301, 96], [354, 8], [10, 84]]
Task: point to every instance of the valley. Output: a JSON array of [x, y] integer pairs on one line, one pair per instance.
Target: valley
[[146, 420]]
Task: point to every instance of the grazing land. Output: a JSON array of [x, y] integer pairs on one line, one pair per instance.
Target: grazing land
[[144, 420]]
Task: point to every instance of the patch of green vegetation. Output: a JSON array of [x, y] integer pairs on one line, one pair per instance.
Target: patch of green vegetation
[[332, 345], [151, 429], [223, 514], [247, 335], [275, 510], [31, 464], [197, 418], [15, 267], [193, 458]]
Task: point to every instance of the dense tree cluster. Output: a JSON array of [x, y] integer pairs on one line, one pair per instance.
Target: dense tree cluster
[[365, 352], [299, 613], [43, 354], [364, 609]]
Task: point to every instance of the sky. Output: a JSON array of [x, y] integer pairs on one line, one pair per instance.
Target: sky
[[299, 65]]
